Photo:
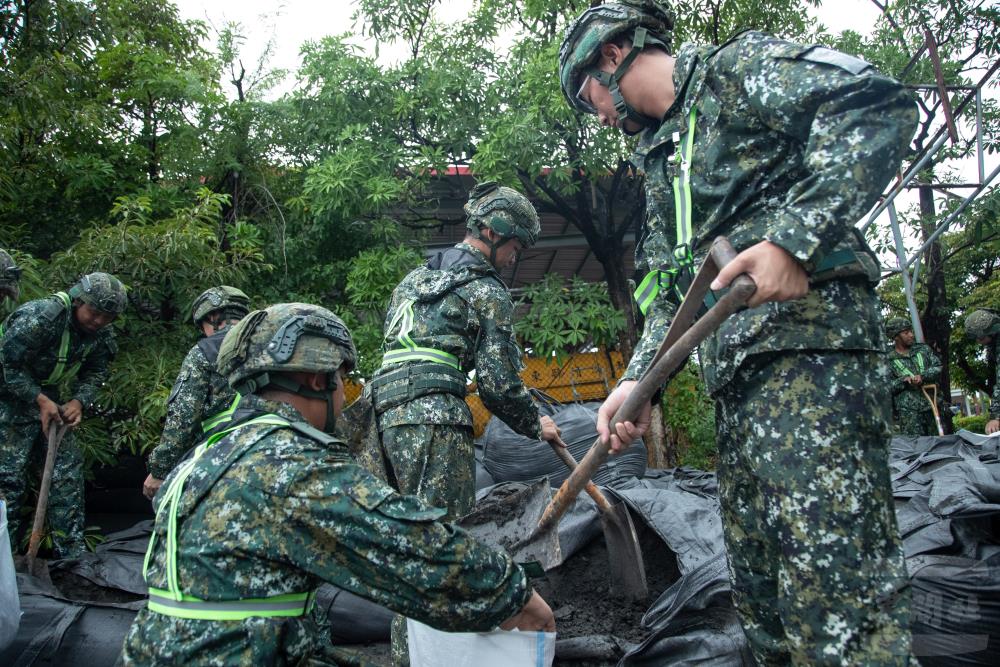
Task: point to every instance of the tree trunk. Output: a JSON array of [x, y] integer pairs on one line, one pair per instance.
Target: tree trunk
[[621, 298], [935, 318]]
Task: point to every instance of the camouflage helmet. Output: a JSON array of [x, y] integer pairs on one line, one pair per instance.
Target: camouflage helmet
[[286, 338], [102, 291], [982, 323], [504, 210], [10, 276], [896, 325], [646, 22], [223, 297]]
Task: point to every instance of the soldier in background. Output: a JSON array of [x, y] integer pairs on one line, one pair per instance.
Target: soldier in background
[[983, 326], [10, 277], [913, 365], [43, 343], [446, 319], [781, 147], [200, 399], [247, 529]]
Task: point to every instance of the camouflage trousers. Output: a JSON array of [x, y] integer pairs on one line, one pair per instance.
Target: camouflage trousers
[[915, 422], [814, 553], [22, 451], [437, 463]]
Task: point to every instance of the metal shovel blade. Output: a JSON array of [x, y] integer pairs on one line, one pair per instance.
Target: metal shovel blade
[[508, 514], [625, 564]]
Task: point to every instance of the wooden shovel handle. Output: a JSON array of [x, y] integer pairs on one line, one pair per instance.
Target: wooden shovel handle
[[741, 289], [56, 432], [559, 447]]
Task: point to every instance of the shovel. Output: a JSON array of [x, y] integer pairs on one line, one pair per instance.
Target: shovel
[[34, 567], [627, 570], [682, 337], [932, 399]]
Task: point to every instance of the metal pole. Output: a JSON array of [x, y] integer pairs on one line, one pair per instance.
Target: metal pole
[[910, 174], [911, 304], [954, 214]]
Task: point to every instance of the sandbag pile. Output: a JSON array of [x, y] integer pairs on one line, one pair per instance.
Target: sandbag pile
[[947, 492], [506, 456]]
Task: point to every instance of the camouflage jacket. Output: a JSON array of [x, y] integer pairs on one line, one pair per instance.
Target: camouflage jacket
[[791, 144], [271, 510], [462, 307], [922, 361], [30, 348], [199, 392]]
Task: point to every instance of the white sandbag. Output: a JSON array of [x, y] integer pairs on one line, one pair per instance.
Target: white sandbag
[[10, 608], [434, 648]]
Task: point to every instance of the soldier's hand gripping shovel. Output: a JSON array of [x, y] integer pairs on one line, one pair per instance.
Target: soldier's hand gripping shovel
[[682, 337], [932, 399], [33, 566]]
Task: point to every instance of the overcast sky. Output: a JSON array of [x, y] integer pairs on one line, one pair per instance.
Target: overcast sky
[[294, 22]]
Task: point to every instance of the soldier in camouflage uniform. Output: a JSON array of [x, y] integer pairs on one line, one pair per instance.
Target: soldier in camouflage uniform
[[200, 399], [781, 147], [45, 342], [10, 277], [272, 506], [913, 365], [444, 320], [983, 326]]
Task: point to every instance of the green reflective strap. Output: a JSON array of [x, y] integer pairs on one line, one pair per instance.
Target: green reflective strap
[[920, 364], [221, 417], [421, 354], [647, 290], [901, 367], [411, 351], [682, 192], [405, 318], [171, 502], [63, 354], [288, 604]]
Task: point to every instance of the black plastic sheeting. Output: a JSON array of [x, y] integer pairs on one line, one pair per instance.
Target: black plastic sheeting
[[61, 632], [947, 493], [510, 457]]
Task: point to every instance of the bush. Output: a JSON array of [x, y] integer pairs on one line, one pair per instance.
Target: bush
[[974, 423], [689, 414]]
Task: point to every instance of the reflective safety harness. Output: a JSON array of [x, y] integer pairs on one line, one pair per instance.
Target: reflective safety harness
[[410, 350], [62, 355], [677, 277], [172, 602], [221, 417], [902, 368]]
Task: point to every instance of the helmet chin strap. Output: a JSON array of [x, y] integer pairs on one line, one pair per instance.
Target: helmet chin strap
[[301, 390], [494, 246], [640, 39]]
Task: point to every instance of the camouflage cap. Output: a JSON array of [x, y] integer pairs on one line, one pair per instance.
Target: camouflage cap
[[222, 297], [504, 210], [285, 337], [599, 25], [982, 323], [102, 291], [896, 325], [10, 275]]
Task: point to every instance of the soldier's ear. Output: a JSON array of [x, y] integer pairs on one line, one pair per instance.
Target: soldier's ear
[[611, 54]]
